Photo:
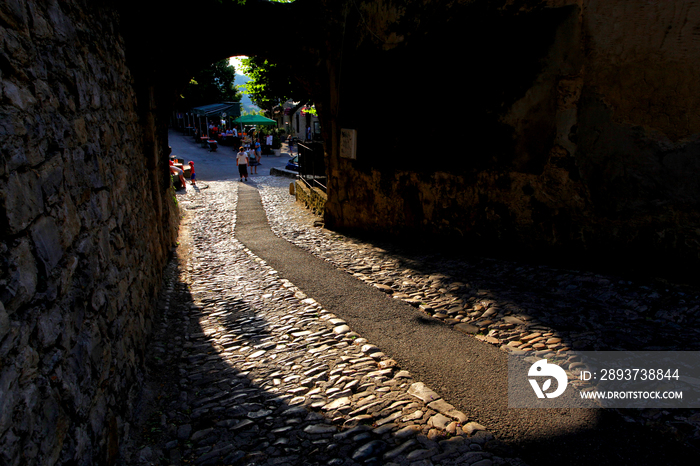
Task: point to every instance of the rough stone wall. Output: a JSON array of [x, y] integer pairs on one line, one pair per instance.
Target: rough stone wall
[[559, 126], [84, 237], [313, 198]]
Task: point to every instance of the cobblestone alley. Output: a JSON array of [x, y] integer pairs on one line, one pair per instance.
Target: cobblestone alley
[[247, 368]]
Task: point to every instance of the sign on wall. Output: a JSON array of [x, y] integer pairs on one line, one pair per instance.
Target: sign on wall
[[348, 143]]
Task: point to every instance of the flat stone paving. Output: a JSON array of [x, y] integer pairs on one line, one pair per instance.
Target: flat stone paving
[[256, 372]]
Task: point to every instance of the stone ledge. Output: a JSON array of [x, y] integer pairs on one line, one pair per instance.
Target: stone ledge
[[314, 198], [281, 172]]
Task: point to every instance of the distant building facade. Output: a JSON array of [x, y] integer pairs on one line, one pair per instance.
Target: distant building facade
[[296, 121]]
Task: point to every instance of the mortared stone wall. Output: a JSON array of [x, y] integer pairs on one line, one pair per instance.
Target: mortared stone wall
[[85, 232]]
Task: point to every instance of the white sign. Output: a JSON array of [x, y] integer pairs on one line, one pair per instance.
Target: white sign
[[348, 143]]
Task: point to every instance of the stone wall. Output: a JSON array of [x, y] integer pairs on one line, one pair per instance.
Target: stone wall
[[561, 127], [86, 228], [313, 198]]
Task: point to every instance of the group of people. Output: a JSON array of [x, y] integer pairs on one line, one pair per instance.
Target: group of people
[[214, 132], [248, 157], [177, 171], [231, 135]]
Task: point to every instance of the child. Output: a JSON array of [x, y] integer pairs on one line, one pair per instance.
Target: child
[[242, 162], [192, 176]]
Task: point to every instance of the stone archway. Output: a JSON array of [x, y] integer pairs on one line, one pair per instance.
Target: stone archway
[[515, 124]]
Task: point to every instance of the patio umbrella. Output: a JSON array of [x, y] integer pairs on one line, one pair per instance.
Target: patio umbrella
[[255, 120], [215, 110]]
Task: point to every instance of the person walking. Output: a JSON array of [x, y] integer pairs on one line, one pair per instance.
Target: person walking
[[192, 174], [258, 150], [268, 144], [242, 162], [253, 160]]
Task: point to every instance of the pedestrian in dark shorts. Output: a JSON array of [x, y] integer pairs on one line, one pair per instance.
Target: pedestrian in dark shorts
[[242, 162]]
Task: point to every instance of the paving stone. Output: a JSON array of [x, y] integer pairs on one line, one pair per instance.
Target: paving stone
[[408, 431], [472, 427], [320, 429], [242, 424], [390, 418], [337, 403], [384, 288], [407, 445], [471, 458], [383, 429], [184, 431], [351, 432], [200, 434], [420, 391], [458, 415], [421, 454], [369, 450], [413, 416], [441, 406], [439, 421]]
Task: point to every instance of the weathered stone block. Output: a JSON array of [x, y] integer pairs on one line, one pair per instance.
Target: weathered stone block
[[18, 96], [47, 242], [21, 201], [4, 321], [420, 391], [22, 279], [49, 326], [52, 180], [67, 215]]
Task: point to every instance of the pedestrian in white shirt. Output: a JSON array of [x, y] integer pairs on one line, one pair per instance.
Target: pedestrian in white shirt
[[242, 162]]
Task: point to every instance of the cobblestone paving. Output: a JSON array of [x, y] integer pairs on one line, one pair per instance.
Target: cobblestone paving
[[254, 372], [513, 305], [510, 304], [257, 373]]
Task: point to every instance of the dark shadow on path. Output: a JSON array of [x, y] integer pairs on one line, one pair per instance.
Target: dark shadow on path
[[438, 356]]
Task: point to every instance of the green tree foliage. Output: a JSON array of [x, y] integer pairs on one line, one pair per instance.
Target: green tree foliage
[[211, 85], [271, 84]]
